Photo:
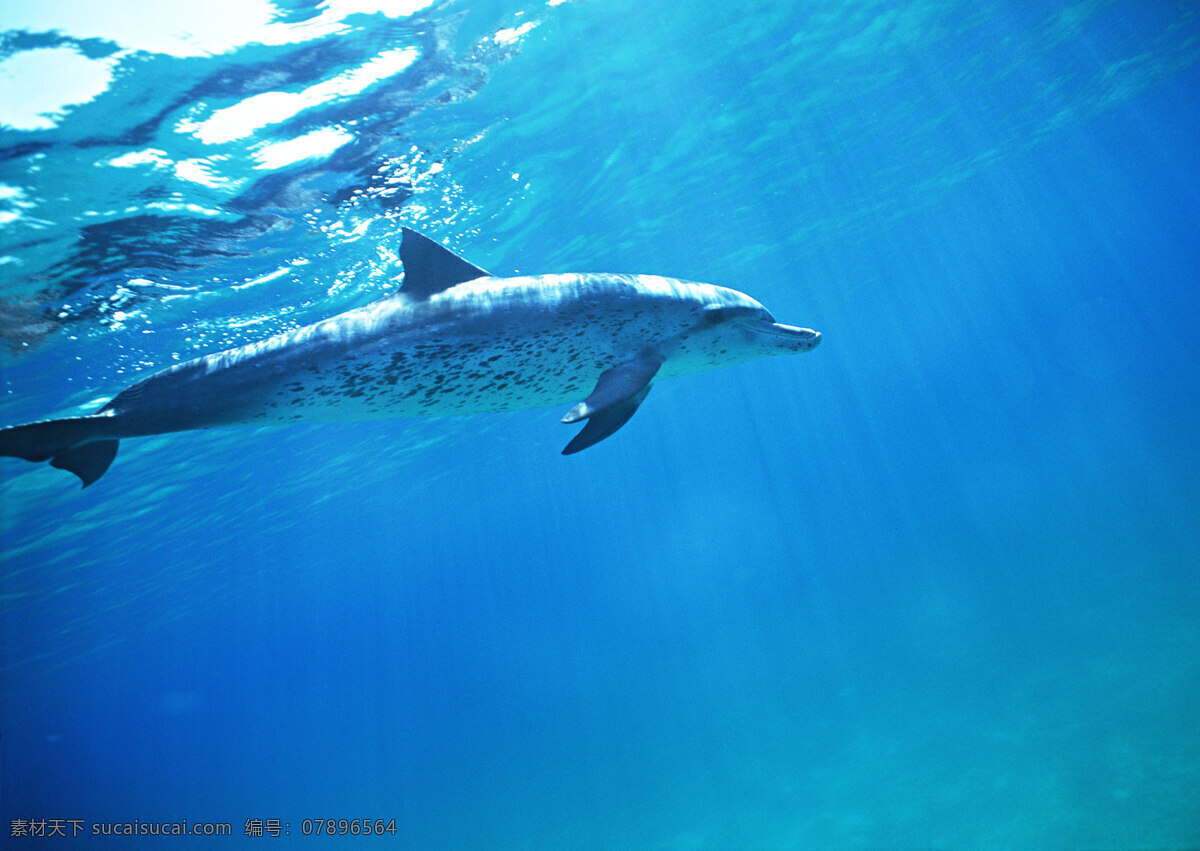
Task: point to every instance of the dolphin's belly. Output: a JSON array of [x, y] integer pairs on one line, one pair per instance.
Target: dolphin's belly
[[385, 376], [429, 379]]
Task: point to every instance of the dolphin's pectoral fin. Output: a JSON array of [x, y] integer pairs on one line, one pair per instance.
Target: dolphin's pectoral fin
[[617, 385], [603, 423], [617, 395]]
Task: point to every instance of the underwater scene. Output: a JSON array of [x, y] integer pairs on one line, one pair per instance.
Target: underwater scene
[[932, 583]]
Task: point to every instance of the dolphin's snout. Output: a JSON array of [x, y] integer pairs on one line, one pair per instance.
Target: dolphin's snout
[[803, 339], [807, 338]]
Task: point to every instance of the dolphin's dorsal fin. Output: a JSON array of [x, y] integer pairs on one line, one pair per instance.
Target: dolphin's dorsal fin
[[430, 268]]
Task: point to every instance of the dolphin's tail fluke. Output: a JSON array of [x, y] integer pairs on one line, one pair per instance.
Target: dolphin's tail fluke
[[77, 444]]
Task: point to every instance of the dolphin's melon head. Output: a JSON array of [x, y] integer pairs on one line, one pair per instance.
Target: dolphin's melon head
[[733, 328], [742, 325]]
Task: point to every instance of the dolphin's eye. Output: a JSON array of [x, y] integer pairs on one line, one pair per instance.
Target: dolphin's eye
[[720, 315]]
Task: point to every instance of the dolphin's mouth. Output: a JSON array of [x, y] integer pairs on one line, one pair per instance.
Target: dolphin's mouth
[[807, 338]]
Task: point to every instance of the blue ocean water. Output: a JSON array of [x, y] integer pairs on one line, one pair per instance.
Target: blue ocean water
[[934, 584]]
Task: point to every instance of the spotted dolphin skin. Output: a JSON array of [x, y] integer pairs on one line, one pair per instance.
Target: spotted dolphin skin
[[452, 340]]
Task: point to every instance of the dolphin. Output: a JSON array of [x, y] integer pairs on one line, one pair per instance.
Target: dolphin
[[453, 339]]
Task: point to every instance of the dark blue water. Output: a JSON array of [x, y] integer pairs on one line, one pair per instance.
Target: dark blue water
[[933, 585]]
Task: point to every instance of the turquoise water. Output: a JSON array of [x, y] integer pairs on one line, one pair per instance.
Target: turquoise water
[[934, 584]]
